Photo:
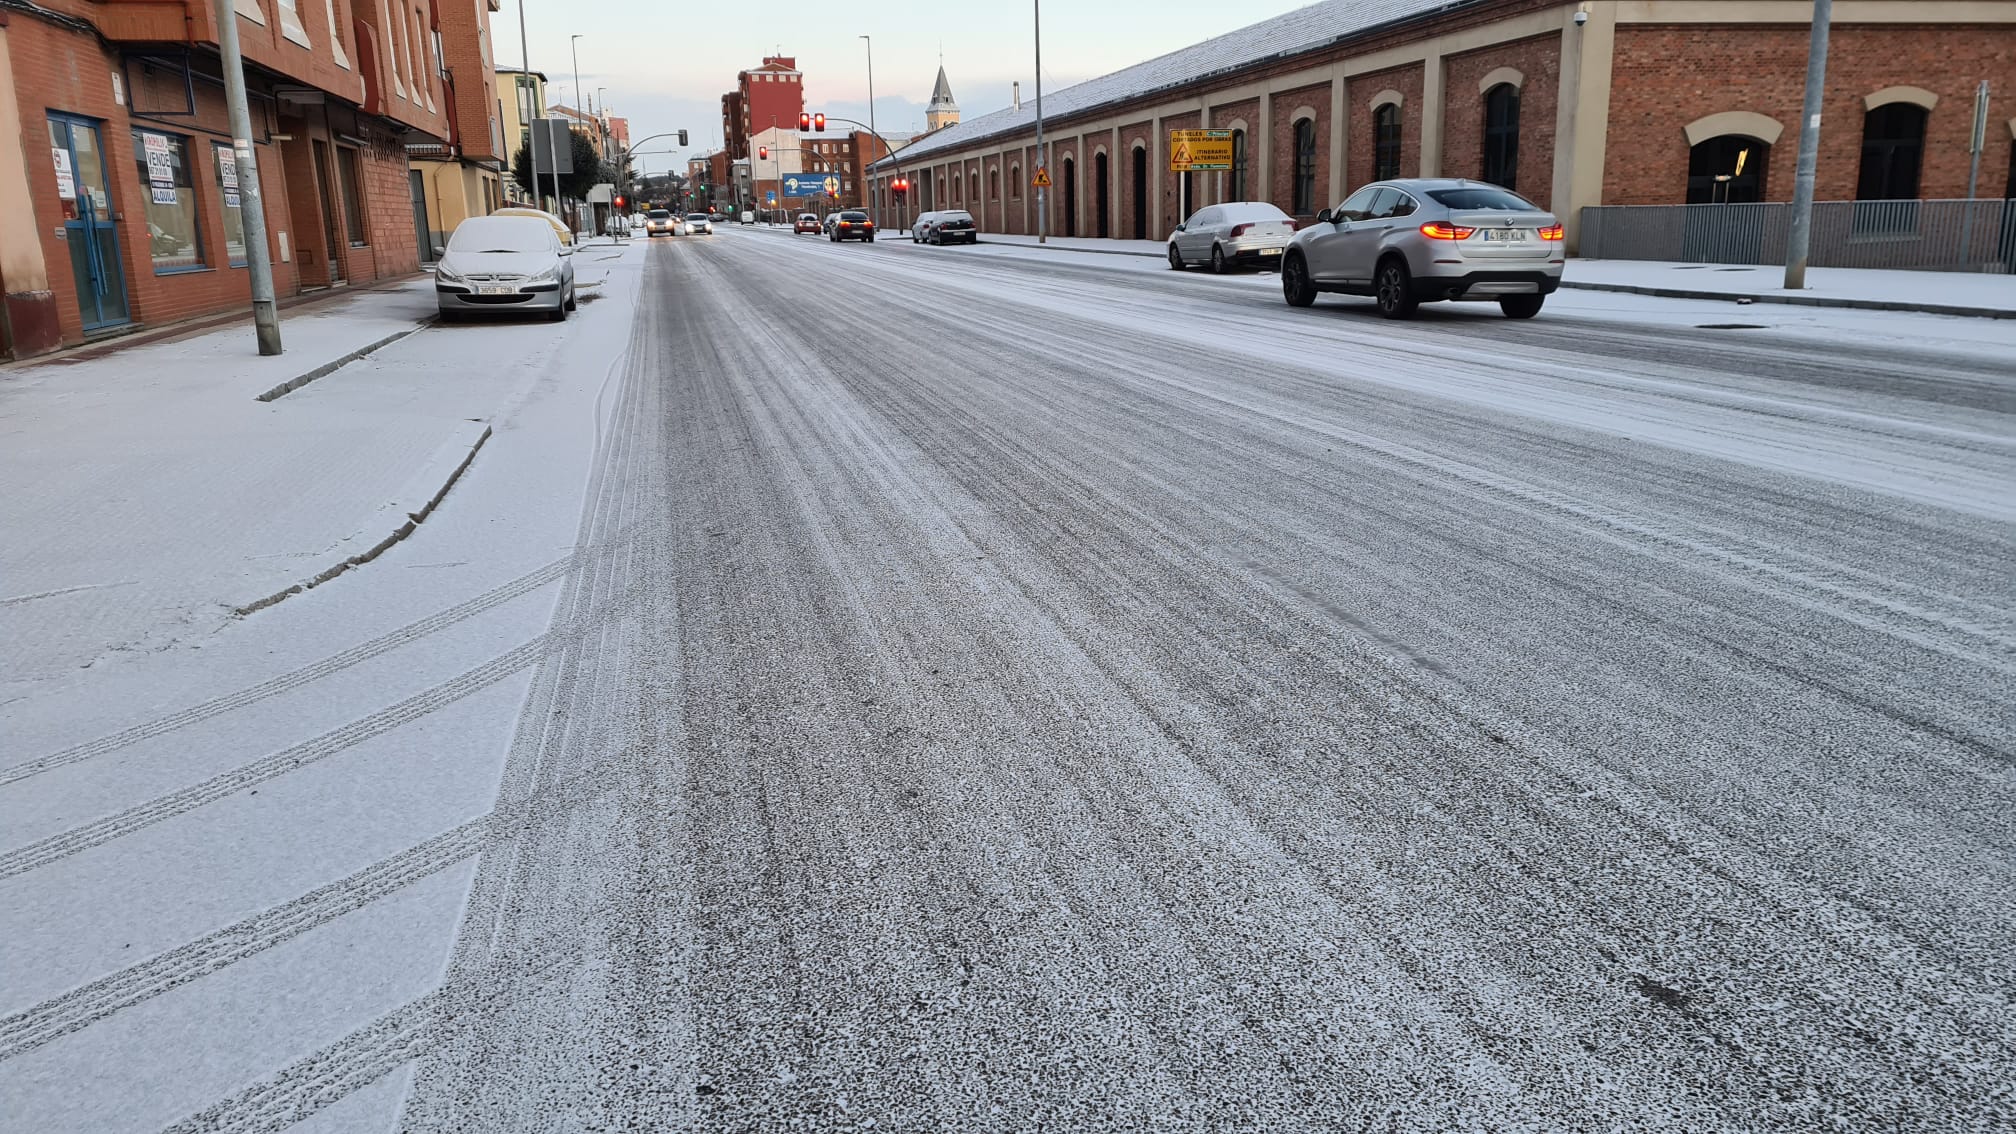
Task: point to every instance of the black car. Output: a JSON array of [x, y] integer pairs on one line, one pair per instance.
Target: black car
[[852, 224], [949, 226]]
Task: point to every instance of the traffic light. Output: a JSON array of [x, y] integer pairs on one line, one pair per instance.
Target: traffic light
[[619, 202], [819, 123], [804, 122], [900, 186], [682, 137], [763, 152]]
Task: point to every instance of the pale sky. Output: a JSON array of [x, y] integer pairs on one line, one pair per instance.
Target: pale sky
[[667, 69]]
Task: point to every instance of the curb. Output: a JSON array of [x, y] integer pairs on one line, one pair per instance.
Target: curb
[[414, 518], [1797, 300], [327, 368], [1085, 251]]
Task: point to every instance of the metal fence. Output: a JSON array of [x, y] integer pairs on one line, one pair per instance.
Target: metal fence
[[1940, 236]]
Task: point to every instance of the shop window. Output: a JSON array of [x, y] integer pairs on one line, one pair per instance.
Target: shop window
[[225, 164], [1305, 167], [1893, 151], [1238, 165], [1727, 169], [1501, 136], [350, 177], [1386, 142], [173, 230]]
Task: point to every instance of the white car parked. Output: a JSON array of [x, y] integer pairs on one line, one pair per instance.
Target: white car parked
[[1234, 234], [499, 265]]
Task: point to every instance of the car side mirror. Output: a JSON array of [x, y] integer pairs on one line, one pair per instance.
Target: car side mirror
[[566, 251], [1182, 228], [1324, 217]]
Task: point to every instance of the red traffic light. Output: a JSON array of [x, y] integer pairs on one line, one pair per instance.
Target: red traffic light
[[804, 121], [763, 152], [619, 202], [819, 122]]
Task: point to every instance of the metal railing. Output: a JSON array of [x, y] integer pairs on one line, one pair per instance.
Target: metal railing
[[1939, 236]]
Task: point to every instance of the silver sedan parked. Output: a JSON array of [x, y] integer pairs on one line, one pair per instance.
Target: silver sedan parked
[[1415, 241], [500, 265], [1234, 234]]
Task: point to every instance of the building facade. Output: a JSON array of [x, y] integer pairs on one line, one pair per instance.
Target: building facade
[[765, 96], [1570, 102], [463, 177], [521, 96], [119, 185]]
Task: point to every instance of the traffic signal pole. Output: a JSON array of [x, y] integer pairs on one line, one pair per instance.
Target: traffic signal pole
[[1042, 156]]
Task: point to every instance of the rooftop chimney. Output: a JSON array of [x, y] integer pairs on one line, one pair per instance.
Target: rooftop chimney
[[1018, 96]]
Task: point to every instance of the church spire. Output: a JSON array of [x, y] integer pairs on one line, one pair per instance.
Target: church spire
[[943, 111]]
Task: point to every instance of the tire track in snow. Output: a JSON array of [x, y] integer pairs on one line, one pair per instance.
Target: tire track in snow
[[98, 832], [288, 682]]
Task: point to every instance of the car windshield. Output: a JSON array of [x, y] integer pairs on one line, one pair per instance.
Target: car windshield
[[696, 216], [660, 214], [1482, 197], [502, 234]]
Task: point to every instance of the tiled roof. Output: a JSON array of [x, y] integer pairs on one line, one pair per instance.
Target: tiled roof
[[1290, 34]]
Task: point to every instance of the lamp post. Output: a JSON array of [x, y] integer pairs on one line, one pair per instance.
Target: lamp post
[[525, 101], [1042, 158], [574, 51], [874, 190]]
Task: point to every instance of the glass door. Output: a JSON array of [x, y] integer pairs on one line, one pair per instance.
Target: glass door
[[83, 189]]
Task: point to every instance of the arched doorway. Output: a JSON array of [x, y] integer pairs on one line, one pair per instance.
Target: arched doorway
[[1070, 184], [1728, 169], [1140, 193], [1102, 188]]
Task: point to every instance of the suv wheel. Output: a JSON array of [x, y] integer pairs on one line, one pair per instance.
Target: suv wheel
[[1394, 289], [1296, 286], [1521, 306]]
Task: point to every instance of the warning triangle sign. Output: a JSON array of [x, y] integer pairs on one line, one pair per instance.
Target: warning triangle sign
[[1042, 177], [1180, 156]]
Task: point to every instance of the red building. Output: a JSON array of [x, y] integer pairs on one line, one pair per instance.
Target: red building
[[766, 96]]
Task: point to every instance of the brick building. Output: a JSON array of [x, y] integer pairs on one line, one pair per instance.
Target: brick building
[[772, 94], [1571, 102], [463, 177], [845, 155], [118, 185]]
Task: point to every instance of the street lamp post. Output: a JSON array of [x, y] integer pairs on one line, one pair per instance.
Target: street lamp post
[[874, 190], [526, 100], [575, 51], [1042, 157]]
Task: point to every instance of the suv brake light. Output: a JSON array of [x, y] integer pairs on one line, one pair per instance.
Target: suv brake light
[[1551, 232], [1439, 230]]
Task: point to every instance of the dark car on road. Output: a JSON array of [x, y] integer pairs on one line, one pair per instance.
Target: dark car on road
[[807, 222], [945, 226], [850, 224]]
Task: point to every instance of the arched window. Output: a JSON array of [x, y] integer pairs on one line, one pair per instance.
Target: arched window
[[1727, 169], [1386, 142], [1238, 165], [1893, 152], [1305, 167], [1501, 135], [974, 182], [994, 184], [1014, 182]]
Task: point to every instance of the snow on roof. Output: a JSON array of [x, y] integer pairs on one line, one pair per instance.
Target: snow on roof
[[1293, 33]]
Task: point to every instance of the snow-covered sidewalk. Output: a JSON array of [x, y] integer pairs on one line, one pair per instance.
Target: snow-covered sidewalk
[[153, 496], [1942, 293]]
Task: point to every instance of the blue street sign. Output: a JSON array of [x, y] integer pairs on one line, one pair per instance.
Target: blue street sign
[[811, 184], [770, 198]]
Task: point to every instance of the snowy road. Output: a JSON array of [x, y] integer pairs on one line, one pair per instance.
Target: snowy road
[[995, 689]]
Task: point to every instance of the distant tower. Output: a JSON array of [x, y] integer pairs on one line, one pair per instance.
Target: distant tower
[[943, 111]]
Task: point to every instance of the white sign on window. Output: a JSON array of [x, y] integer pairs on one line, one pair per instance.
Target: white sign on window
[[227, 168], [165, 196], [66, 185], [160, 166]]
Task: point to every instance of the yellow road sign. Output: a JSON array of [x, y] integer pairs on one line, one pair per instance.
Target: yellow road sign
[[1042, 178], [1198, 150]]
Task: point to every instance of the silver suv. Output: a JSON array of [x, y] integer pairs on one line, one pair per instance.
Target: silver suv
[[1413, 241]]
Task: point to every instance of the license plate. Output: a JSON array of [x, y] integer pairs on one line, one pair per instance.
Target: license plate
[[1270, 251], [496, 291], [1504, 236]]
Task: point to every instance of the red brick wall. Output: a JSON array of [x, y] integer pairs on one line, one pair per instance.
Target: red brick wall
[[57, 70], [1060, 152], [1172, 201], [1667, 76], [1227, 117], [1140, 134], [1539, 60], [1359, 92], [1281, 178]]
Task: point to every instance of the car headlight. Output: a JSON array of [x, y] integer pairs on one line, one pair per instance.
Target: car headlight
[[447, 275], [550, 275]]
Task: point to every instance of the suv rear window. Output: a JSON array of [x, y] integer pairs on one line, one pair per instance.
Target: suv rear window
[[853, 216], [1484, 197], [659, 214]]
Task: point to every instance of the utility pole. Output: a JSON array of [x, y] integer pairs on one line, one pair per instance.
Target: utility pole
[[251, 203], [574, 50], [1799, 247], [525, 100], [1042, 155], [868, 167]]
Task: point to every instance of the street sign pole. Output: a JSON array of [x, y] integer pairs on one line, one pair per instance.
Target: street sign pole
[[1799, 245], [1042, 157], [526, 111], [251, 203], [1977, 142]]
